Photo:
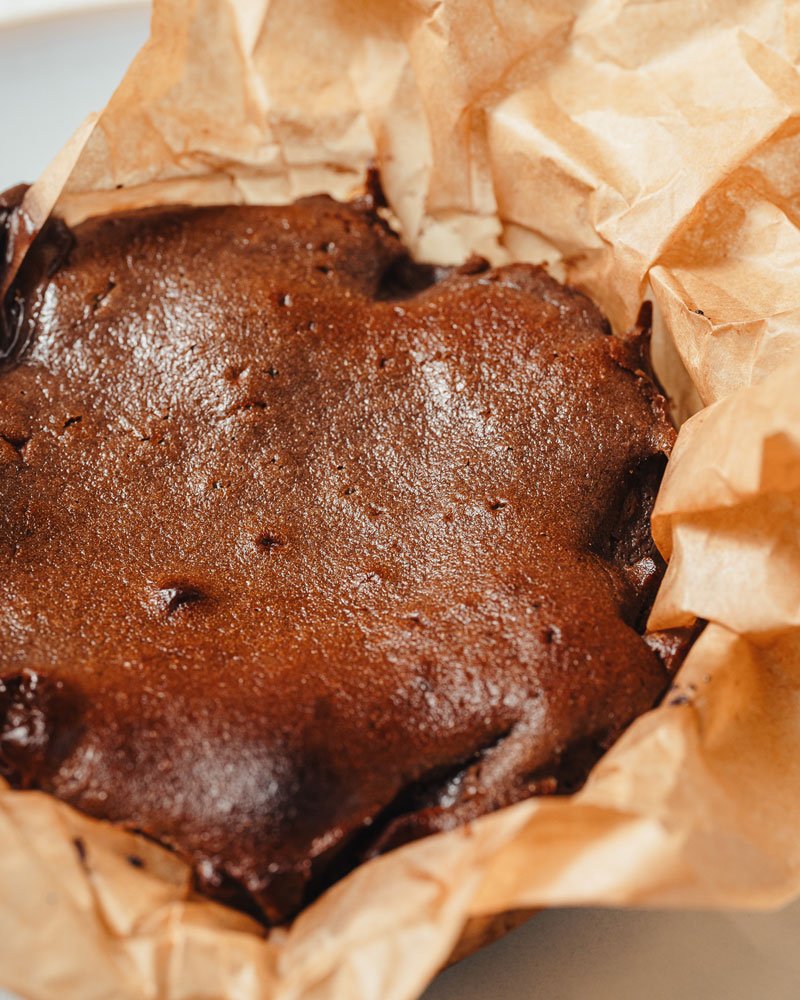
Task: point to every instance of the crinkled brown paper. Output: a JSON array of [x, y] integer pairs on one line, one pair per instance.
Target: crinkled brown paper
[[645, 149]]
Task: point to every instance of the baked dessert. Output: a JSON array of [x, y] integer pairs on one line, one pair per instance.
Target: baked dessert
[[306, 549]]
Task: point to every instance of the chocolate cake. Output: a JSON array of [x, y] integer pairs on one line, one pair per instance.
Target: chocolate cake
[[306, 549]]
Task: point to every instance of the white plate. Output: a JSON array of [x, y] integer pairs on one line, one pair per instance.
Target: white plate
[[55, 69]]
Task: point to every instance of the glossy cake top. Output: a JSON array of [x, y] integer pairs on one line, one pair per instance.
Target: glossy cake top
[[306, 550]]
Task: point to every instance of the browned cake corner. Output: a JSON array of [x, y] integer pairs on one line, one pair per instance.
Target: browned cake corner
[[306, 550]]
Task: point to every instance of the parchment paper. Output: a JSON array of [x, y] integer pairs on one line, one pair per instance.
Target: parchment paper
[[643, 149]]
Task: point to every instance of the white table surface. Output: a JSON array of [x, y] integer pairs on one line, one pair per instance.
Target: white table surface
[[53, 71]]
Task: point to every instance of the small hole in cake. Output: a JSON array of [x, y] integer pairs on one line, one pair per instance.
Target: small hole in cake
[[285, 299], [248, 405], [70, 421], [348, 491], [322, 269], [499, 504], [404, 278], [267, 541], [385, 362], [327, 247], [135, 861], [17, 443], [273, 372], [369, 578], [102, 297], [178, 594]]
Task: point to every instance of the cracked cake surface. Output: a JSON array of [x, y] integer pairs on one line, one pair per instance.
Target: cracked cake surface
[[307, 550]]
